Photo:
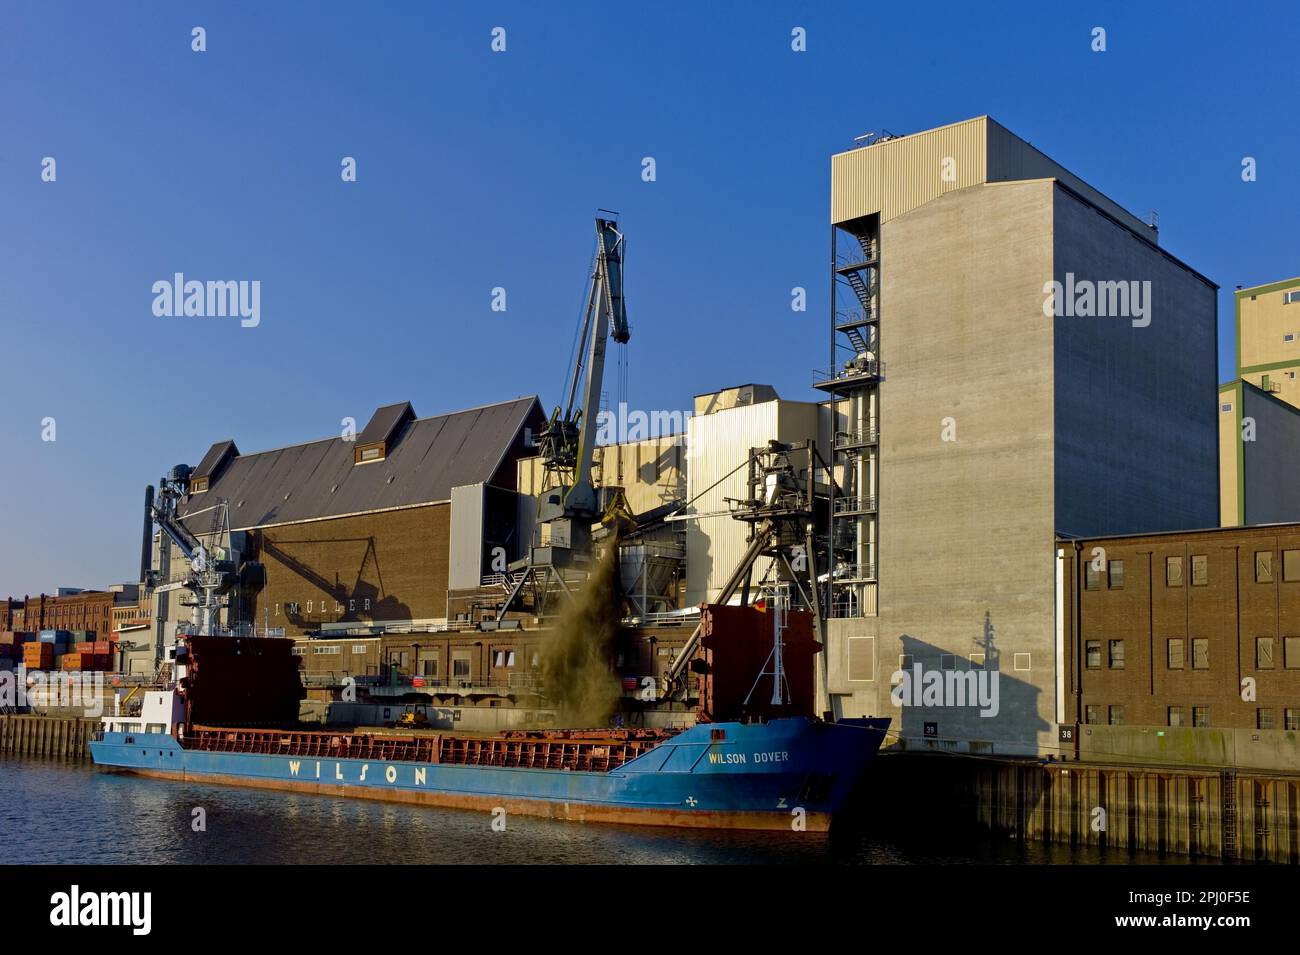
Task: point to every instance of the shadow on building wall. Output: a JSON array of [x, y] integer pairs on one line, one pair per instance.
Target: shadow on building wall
[[953, 714], [362, 601]]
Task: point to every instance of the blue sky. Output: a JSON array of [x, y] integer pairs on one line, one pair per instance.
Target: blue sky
[[478, 170]]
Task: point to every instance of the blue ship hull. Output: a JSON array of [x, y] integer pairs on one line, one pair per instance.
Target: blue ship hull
[[786, 774]]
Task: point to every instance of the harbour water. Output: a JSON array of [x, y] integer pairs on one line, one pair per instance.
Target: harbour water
[[67, 811]]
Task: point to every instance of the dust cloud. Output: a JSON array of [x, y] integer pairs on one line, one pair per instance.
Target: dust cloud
[[577, 659]]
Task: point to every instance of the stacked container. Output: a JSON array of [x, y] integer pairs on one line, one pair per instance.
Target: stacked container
[[11, 647], [38, 656]]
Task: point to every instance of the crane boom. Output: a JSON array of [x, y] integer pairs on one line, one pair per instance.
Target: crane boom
[[570, 435], [568, 504]]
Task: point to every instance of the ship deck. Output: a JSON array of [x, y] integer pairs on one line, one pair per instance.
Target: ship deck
[[575, 750]]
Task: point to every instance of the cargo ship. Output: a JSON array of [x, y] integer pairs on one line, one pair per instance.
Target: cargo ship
[[784, 773]]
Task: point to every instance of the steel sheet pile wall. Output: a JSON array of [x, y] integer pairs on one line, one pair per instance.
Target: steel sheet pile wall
[[1219, 815], [44, 736]]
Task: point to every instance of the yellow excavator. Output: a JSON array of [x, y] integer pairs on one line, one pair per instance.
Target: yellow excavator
[[415, 716]]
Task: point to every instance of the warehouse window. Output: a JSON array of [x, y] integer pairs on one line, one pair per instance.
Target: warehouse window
[[1263, 653], [460, 665], [1115, 716], [1226, 407], [1092, 654], [1116, 575], [947, 661], [329, 651], [1291, 565], [1175, 716], [1264, 718], [977, 661], [1177, 655], [1173, 571], [1288, 337], [1291, 653], [1263, 566], [510, 658], [1291, 718], [1091, 577], [1200, 653], [1116, 656], [1200, 716], [1290, 297], [1092, 713], [1200, 570], [905, 661], [1021, 662], [499, 658], [358, 648], [430, 666]]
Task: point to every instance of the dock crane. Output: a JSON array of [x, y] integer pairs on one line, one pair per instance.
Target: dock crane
[[570, 504], [211, 575]]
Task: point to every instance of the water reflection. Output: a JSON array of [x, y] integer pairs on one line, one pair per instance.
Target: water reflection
[[57, 812]]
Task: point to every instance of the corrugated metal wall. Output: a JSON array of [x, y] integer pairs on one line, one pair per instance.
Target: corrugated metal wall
[[898, 176], [1010, 158], [719, 443], [466, 555], [653, 471]]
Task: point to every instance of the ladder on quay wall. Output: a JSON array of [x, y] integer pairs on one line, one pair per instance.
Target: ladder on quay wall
[[1228, 813]]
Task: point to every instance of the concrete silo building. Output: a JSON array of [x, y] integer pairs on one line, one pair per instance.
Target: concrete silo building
[[1024, 361]]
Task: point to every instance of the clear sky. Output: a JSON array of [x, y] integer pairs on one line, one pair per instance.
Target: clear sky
[[478, 169]]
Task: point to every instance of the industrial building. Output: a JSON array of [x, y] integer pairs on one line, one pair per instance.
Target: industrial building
[[1183, 647], [69, 609], [1259, 409], [1014, 360], [983, 411], [352, 532]]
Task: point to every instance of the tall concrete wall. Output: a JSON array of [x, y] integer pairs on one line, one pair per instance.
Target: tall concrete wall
[[1001, 426], [1136, 450], [966, 525], [1272, 488]]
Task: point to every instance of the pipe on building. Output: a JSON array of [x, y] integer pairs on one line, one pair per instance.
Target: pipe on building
[[146, 538]]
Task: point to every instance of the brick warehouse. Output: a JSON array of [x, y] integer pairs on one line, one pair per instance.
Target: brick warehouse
[[1184, 644], [353, 532], [84, 610]]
